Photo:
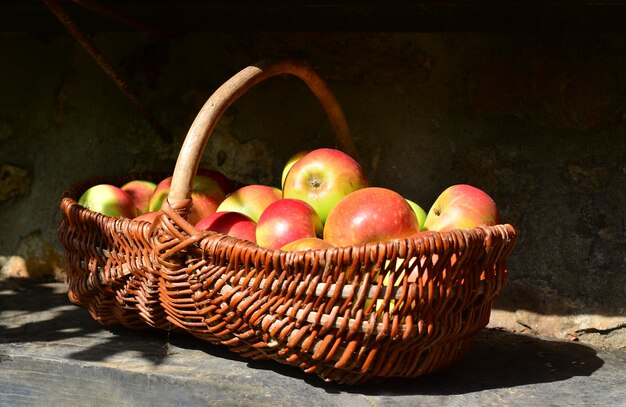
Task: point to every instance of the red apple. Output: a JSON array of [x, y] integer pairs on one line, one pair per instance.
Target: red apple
[[322, 178], [370, 215], [306, 243], [140, 191], [250, 200], [419, 212], [227, 184], [229, 223], [108, 200], [147, 216], [462, 206], [206, 195], [290, 162], [287, 220]]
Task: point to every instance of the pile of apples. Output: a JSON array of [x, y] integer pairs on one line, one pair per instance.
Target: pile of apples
[[325, 201]]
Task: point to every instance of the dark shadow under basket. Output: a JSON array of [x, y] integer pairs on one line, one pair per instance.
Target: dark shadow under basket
[[402, 308]]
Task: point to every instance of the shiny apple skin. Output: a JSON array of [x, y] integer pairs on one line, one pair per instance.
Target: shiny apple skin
[[462, 206], [141, 192], [285, 221], [370, 215], [322, 178], [206, 196], [230, 223], [251, 200], [109, 200]]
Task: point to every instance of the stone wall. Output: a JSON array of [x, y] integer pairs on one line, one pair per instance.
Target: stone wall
[[538, 121]]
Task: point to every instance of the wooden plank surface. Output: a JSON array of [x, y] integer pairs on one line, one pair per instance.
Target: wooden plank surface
[[53, 353]]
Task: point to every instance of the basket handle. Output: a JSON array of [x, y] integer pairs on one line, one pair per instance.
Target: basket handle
[[206, 120]]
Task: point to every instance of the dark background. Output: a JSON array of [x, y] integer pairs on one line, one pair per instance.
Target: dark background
[[524, 100]]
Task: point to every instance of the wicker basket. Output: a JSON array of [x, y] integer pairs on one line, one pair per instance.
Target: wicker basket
[[402, 308]]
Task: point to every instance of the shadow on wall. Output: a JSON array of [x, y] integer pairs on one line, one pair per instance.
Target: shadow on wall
[[41, 312]]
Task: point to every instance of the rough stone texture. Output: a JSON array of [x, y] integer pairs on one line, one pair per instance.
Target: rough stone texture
[[14, 182], [53, 353], [35, 259], [536, 120]]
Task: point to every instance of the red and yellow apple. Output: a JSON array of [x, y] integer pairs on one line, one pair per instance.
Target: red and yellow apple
[[109, 200], [227, 184], [285, 221], [370, 214], [140, 191], [229, 223], [306, 243], [322, 178], [462, 206], [206, 195], [290, 162], [250, 200]]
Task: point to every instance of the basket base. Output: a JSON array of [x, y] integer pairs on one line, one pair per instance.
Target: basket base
[[422, 362]]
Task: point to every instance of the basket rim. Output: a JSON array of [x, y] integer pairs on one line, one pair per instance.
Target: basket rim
[[69, 200]]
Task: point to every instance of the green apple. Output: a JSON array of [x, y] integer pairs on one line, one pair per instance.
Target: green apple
[[419, 212]]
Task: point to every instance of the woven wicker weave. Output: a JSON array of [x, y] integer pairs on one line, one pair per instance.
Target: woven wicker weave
[[402, 308]]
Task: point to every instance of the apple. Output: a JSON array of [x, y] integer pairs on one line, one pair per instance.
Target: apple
[[322, 178], [229, 223], [140, 191], [206, 195], [285, 221], [147, 216], [306, 243], [250, 200], [370, 214], [290, 162], [419, 212], [109, 200], [227, 184], [462, 206]]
